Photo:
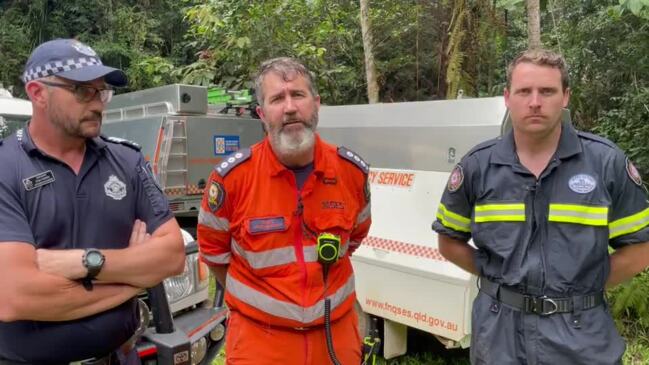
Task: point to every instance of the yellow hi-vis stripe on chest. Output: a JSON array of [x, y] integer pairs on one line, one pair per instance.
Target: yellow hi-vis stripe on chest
[[578, 214], [453, 220], [630, 224], [510, 212]]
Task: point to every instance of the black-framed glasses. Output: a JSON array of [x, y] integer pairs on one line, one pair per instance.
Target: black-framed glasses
[[84, 93]]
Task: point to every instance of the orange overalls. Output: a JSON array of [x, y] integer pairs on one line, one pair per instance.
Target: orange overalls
[[254, 218]]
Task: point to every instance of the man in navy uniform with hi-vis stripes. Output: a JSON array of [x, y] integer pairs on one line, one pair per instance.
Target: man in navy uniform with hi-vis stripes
[[83, 224], [542, 204]]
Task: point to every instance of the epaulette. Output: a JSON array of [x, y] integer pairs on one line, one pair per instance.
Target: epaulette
[[122, 141], [352, 157], [233, 160], [483, 145], [596, 138]]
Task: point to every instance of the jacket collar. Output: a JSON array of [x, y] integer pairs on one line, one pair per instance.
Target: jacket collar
[[569, 145]]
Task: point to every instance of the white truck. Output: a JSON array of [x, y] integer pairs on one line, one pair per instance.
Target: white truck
[[411, 147]]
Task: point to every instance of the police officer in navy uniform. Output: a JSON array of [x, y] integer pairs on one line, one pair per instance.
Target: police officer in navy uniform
[[543, 203], [83, 225]]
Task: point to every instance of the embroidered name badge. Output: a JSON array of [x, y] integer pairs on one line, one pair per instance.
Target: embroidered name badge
[[582, 183], [265, 225], [38, 180], [115, 188]]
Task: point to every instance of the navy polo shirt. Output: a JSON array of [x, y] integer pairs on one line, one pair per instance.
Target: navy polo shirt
[[44, 203]]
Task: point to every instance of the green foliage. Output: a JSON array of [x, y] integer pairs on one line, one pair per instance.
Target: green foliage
[[143, 38], [629, 301], [231, 46], [608, 55], [475, 38], [630, 310], [626, 123], [637, 7]]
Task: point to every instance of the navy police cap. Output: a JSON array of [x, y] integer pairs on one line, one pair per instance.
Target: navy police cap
[[72, 60]]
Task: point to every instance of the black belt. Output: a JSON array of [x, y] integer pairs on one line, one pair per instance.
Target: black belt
[[541, 305]]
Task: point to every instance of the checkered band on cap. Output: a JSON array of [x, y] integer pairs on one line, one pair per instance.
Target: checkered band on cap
[[55, 67]]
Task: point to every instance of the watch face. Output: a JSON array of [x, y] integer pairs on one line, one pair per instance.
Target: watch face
[[94, 258]]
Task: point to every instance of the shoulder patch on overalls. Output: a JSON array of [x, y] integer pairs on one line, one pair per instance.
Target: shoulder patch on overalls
[[122, 141], [233, 160], [352, 157], [633, 173]]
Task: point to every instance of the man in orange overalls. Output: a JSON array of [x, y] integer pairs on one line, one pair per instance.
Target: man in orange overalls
[[263, 213]]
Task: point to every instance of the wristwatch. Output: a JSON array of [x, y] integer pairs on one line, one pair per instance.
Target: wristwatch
[[93, 260]]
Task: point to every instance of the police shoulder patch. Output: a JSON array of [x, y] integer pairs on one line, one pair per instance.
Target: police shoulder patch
[[354, 158], [456, 179], [122, 141], [215, 196], [231, 161], [633, 173]]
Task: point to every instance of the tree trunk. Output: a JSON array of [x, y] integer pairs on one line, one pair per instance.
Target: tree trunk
[[533, 24], [370, 67]]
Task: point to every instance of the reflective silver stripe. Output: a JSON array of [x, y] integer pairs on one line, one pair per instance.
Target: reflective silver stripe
[[501, 212], [283, 309], [630, 224], [210, 220], [268, 258], [453, 220], [579, 214], [354, 244], [343, 249], [221, 259], [364, 214], [278, 256], [310, 254]]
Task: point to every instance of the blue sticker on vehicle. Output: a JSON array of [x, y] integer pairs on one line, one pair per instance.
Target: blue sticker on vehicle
[[265, 225], [225, 145]]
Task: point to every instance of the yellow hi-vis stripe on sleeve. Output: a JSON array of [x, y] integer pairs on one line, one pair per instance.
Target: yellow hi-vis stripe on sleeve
[[578, 214], [630, 224], [510, 212], [453, 220]]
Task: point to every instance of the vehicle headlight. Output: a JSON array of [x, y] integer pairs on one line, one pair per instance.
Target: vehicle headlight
[[199, 350], [179, 286]]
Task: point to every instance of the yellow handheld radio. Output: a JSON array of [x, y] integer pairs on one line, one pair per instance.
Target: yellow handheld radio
[[328, 246]]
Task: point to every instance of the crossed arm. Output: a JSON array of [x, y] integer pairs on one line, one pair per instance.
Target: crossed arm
[[42, 284], [31, 294], [147, 260]]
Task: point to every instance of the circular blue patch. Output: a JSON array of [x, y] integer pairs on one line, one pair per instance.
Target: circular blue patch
[[582, 183]]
